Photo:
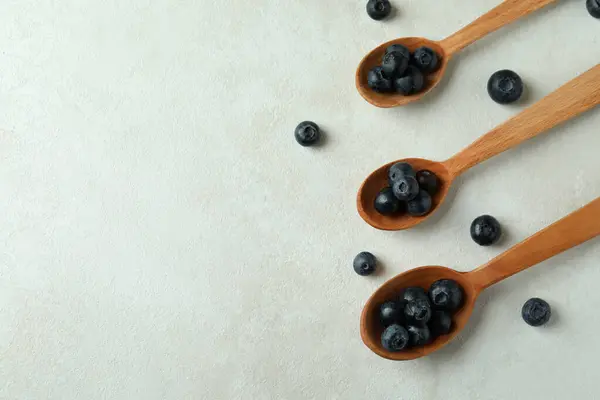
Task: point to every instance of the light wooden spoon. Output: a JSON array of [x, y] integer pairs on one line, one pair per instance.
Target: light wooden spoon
[[572, 230], [573, 98], [505, 13]]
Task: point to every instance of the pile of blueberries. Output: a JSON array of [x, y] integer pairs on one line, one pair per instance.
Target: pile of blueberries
[[408, 191], [416, 317]]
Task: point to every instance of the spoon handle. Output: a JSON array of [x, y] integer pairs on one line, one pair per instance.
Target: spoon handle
[[572, 230], [496, 18], [568, 101]]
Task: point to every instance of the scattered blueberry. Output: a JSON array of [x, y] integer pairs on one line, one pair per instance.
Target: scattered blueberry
[[425, 59], [536, 312], [398, 48], [593, 7], [395, 338], [386, 203], [379, 81], [440, 323], [428, 181], [379, 9], [394, 63], [485, 230], [365, 263], [392, 312], [505, 86], [418, 335], [400, 170], [307, 133], [412, 82], [446, 294], [418, 311], [412, 293], [405, 188], [420, 205]]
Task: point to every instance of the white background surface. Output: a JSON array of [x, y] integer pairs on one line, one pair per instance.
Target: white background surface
[[162, 236]]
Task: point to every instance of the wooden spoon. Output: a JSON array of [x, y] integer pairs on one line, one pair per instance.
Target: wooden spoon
[[573, 98], [505, 13], [572, 230]]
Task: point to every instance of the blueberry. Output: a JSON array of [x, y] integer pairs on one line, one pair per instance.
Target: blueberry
[[307, 133], [386, 203], [425, 59], [418, 311], [379, 81], [446, 294], [365, 263], [420, 205], [392, 312], [418, 335], [485, 230], [379, 9], [394, 64], [593, 7], [536, 312], [394, 338], [405, 188], [412, 82], [428, 181], [440, 323], [398, 48], [399, 170], [505, 86], [412, 293]]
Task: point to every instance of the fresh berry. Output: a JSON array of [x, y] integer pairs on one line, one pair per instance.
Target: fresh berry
[[365, 263], [412, 81], [420, 205], [392, 312], [505, 86], [485, 230], [425, 59], [418, 335], [379, 9], [394, 64], [440, 323], [398, 48], [418, 311], [307, 133], [386, 203], [394, 338], [405, 188], [412, 293], [428, 181], [446, 294], [593, 7], [400, 170], [536, 312], [379, 81]]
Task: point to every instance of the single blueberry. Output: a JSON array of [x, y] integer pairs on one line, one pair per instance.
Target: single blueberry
[[446, 294], [440, 323], [412, 82], [398, 48], [412, 293], [400, 170], [536, 312], [307, 133], [394, 338], [386, 203], [394, 64], [425, 59], [418, 311], [485, 230], [378, 9], [428, 181], [379, 81], [420, 205], [365, 263], [418, 335], [392, 312], [405, 188], [505, 86], [593, 7]]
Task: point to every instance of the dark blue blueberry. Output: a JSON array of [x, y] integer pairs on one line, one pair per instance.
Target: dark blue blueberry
[[379, 81], [412, 81], [394, 338], [400, 49], [400, 170], [307, 133], [392, 312], [485, 230], [418, 335], [505, 86], [425, 59], [418, 311], [378, 9], [536, 312], [593, 7], [428, 181], [394, 64], [440, 323], [420, 205], [365, 263], [405, 188], [446, 294], [412, 293], [386, 203]]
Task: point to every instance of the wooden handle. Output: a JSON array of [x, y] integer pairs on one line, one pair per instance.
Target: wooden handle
[[572, 230], [504, 14], [573, 98]]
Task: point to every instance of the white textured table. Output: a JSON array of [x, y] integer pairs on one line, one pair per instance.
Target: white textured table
[[164, 237]]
